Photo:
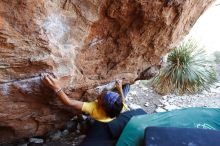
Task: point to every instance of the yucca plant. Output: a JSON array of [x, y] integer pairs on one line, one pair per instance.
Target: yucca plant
[[217, 56], [187, 71]]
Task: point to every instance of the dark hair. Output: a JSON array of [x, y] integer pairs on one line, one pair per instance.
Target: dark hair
[[114, 109]]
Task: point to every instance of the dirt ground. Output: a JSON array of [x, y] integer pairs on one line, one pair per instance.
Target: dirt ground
[[141, 94]]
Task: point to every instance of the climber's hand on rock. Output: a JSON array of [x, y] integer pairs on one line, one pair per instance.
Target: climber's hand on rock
[[118, 84], [52, 82]]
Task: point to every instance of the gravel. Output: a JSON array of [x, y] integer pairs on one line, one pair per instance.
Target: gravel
[[143, 95]]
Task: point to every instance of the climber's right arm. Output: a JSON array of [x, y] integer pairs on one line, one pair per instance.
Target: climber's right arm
[[118, 85]]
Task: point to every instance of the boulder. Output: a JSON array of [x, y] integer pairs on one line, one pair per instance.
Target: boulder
[[86, 43]]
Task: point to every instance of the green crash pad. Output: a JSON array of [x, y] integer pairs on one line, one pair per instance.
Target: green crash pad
[[206, 118]]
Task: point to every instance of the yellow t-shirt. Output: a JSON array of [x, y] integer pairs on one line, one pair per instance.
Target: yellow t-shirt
[[96, 112]]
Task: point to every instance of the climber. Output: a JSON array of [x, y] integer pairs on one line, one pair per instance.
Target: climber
[[108, 105]]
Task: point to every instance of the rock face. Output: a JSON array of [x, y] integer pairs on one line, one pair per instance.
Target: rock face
[[84, 42]]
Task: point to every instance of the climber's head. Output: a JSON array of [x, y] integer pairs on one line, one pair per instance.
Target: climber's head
[[111, 103]]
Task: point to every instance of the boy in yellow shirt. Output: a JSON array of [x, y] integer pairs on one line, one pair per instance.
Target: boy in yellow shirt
[[107, 106]]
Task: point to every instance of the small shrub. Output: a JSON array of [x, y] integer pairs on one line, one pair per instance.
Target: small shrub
[[217, 56], [187, 71]]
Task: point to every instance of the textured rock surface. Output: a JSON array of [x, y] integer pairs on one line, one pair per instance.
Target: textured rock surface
[[86, 43]]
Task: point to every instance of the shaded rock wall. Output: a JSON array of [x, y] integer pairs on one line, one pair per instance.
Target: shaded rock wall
[[86, 43]]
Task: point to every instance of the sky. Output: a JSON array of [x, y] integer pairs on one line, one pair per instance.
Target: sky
[[206, 30]]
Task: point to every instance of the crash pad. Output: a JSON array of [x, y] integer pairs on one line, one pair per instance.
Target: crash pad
[[206, 118], [172, 136]]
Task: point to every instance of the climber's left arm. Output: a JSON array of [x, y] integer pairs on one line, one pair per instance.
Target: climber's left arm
[[53, 83]]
